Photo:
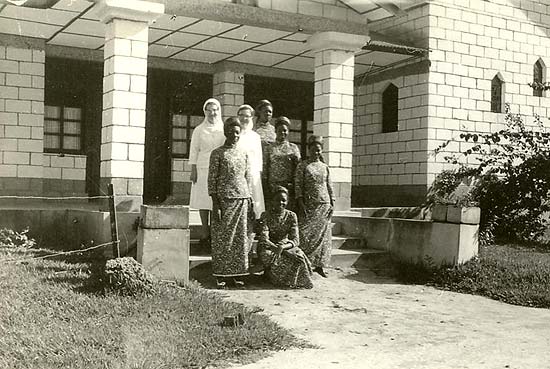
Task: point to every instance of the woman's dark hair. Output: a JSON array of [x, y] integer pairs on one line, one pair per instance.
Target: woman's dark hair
[[231, 122], [278, 189], [261, 104], [314, 139], [282, 121]]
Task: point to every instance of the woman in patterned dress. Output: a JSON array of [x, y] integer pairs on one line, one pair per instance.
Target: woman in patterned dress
[[206, 137], [315, 199], [281, 159], [229, 186], [284, 263]]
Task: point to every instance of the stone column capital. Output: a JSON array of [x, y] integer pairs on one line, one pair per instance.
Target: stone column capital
[[336, 41], [134, 10]]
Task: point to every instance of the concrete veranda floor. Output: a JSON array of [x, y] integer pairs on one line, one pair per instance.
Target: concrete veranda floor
[[361, 320]]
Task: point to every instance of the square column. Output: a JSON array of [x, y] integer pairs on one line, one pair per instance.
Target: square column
[[124, 97], [22, 117], [228, 88], [333, 105]]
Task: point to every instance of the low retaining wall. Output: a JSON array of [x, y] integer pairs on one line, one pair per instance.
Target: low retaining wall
[[451, 241], [71, 229]]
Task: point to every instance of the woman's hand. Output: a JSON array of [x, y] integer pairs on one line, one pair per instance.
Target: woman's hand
[[193, 173]]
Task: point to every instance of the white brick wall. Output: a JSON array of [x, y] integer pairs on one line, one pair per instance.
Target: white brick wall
[[64, 167], [470, 43], [21, 111]]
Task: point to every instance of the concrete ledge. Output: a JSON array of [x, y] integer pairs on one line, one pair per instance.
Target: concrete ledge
[[466, 215], [415, 241], [165, 216]]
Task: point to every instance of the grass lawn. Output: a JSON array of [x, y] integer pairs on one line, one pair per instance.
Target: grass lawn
[[52, 315], [514, 274]]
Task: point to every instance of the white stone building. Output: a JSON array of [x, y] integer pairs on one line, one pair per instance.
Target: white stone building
[[108, 91]]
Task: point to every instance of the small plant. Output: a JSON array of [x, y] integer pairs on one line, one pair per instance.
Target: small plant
[[125, 276], [11, 238]]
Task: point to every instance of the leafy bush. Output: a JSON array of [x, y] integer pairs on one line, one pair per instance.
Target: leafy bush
[[11, 238], [511, 182], [125, 276]]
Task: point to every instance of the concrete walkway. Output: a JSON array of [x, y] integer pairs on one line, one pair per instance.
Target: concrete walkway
[[360, 320]]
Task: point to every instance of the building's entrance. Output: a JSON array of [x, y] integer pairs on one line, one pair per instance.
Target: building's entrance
[[169, 93]]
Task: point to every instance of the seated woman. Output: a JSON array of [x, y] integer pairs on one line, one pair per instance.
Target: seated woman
[[284, 263]]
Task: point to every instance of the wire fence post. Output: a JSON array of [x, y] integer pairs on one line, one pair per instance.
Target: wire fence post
[[112, 217]]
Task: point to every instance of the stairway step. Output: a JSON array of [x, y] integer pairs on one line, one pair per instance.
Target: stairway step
[[338, 242], [196, 260], [356, 257], [347, 242], [336, 228]]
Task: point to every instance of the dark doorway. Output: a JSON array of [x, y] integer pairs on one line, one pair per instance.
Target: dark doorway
[[168, 93]]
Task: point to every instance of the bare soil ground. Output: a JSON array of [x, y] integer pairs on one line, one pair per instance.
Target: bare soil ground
[[360, 320]]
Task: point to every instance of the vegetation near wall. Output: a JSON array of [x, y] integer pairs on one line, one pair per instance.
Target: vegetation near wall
[[510, 181]]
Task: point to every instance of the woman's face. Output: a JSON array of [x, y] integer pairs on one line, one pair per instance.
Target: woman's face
[[265, 113], [232, 134], [282, 132], [245, 117], [315, 150], [280, 201], [211, 112]]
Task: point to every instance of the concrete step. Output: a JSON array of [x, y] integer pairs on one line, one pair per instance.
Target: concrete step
[[347, 242], [196, 260], [358, 258], [338, 242]]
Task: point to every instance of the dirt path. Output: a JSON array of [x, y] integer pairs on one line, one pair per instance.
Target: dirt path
[[360, 320]]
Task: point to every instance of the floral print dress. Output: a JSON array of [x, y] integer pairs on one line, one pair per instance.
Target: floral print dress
[[314, 186], [229, 180], [281, 160], [291, 268]]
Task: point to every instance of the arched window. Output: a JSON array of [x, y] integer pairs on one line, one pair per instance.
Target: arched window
[[390, 109], [538, 77], [497, 92]]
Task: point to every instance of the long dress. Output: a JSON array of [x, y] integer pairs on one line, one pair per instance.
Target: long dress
[[281, 160], [229, 180], [314, 186], [291, 268], [251, 143], [205, 138]]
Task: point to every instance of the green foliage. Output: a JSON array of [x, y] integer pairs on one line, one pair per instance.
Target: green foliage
[[11, 238], [126, 277], [511, 182], [508, 273]]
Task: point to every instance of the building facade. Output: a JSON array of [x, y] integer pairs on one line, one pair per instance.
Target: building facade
[[93, 93]]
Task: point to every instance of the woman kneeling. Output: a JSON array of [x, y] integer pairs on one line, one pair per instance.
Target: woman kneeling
[[285, 264]]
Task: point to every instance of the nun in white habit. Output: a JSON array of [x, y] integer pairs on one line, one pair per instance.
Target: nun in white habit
[[206, 137]]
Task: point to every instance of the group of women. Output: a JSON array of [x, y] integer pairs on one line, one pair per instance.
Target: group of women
[[250, 181]]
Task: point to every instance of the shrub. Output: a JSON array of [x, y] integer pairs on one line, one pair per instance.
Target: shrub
[[11, 238], [125, 276], [510, 183]]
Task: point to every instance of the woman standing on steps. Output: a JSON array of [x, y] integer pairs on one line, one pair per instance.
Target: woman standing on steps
[[206, 137], [229, 185], [315, 199], [281, 159]]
